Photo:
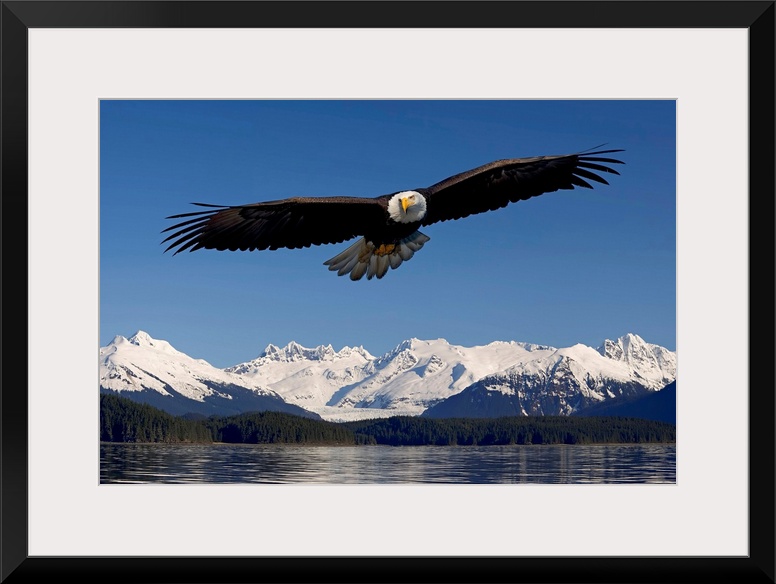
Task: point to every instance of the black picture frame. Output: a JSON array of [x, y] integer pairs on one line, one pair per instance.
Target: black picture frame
[[19, 16]]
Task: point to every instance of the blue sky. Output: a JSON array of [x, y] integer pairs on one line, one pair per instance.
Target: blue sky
[[567, 267]]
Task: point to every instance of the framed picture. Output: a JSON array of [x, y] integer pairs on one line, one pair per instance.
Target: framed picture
[[62, 60]]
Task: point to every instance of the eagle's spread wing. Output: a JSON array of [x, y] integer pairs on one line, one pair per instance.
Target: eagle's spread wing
[[499, 183], [292, 223]]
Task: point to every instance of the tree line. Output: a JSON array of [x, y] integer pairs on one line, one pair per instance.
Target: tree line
[[412, 431], [123, 420]]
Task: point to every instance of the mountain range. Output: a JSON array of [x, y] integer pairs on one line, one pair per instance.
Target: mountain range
[[418, 377]]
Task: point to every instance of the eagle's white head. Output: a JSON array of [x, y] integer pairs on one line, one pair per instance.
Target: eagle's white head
[[407, 207]]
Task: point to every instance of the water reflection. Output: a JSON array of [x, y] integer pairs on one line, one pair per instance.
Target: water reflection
[[244, 463]]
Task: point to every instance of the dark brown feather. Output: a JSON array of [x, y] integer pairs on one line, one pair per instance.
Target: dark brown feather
[[495, 185], [292, 223]]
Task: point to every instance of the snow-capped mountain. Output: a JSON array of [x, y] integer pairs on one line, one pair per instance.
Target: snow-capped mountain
[[151, 371], [655, 365], [417, 376], [302, 376], [352, 384], [563, 381]]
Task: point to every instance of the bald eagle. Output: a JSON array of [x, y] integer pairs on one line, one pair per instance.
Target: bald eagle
[[388, 225]]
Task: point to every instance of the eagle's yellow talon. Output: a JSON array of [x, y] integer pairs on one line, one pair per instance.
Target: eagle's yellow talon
[[385, 249]]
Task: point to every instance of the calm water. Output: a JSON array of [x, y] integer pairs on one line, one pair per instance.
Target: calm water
[[250, 463]]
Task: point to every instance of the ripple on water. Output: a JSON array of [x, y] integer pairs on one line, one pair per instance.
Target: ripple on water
[[287, 464]]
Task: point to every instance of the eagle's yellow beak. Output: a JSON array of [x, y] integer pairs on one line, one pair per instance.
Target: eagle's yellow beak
[[405, 202]]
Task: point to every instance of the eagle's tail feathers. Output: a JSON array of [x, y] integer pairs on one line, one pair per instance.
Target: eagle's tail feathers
[[363, 257], [358, 271], [348, 267], [378, 266], [342, 258]]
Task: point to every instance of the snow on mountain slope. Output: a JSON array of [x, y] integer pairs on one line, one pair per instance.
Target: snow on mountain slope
[[566, 380], [417, 374], [654, 364], [142, 363], [352, 384], [302, 376]]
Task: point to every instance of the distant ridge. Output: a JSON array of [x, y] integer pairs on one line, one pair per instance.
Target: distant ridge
[[418, 377], [659, 406]]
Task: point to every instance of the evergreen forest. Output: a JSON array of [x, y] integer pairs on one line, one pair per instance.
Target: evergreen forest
[[123, 420]]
